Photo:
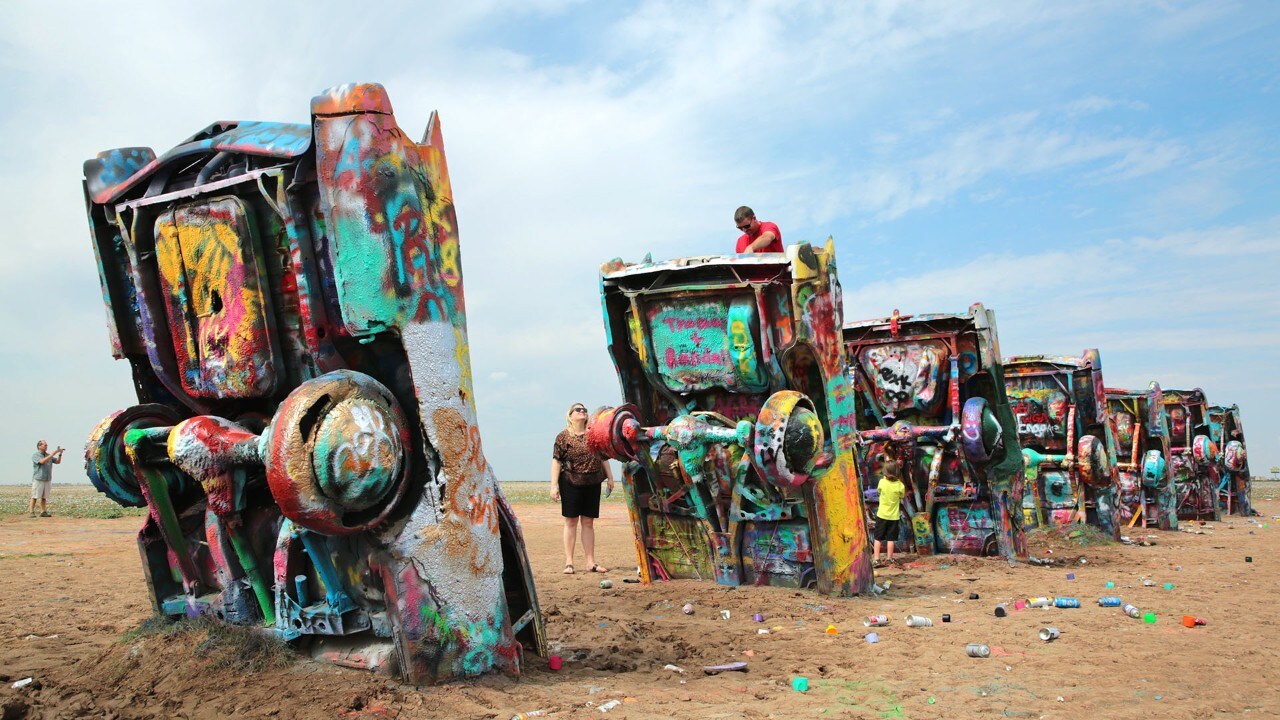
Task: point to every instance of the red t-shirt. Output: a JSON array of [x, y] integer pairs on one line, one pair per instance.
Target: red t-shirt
[[774, 247]]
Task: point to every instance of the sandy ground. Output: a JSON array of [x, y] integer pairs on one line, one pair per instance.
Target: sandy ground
[[71, 588]]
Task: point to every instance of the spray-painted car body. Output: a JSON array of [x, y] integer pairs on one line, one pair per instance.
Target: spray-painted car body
[[1235, 484], [290, 300], [1060, 406], [1193, 456], [1140, 452], [737, 428], [931, 394]]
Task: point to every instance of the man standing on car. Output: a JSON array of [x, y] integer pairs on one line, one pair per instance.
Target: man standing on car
[[42, 476], [756, 236]]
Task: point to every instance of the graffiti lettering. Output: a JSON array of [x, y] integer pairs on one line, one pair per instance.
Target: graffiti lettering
[[703, 323], [692, 359]]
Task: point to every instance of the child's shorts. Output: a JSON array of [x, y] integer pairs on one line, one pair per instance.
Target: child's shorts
[[886, 530]]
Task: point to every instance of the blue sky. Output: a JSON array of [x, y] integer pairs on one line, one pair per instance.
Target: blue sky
[[1101, 174]]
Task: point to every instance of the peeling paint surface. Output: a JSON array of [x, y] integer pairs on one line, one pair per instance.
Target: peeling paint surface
[[1067, 440], [930, 394], [738, 421], [290, 300]]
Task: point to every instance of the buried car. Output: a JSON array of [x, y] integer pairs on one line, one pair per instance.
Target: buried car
[[290, 300], [1060, 406], [1139, 448], [1193, 456], [931, 394], [736, 432], [1235, 485]]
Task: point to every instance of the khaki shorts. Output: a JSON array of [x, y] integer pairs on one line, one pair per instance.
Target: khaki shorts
[[40, 489]]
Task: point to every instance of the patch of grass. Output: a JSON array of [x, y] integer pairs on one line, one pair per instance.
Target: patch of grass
[[1073, 534], [75, 501], [539, 492], [224, 647]]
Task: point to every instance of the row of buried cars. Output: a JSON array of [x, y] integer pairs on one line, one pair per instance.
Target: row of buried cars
[[290, 301], [756, 424]]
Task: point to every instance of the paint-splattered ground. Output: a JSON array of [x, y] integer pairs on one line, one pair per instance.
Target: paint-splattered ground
[[71, 589]]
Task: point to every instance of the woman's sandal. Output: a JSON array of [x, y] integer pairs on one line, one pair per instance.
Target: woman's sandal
[[568, 569], [597, 568]]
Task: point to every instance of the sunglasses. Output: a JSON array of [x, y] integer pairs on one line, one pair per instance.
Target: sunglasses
[[744, 227], [579, 409]]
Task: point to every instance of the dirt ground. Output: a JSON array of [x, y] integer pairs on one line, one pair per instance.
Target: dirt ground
[[73, 589]]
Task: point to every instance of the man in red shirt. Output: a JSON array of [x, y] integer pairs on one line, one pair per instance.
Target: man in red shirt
[[757, 236]]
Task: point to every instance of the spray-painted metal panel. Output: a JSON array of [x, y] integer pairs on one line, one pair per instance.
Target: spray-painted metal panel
[[737, 433], [290, 299], [931, 395], [1065, 433], [1193, 455], [1140, 453], [1226, 432]]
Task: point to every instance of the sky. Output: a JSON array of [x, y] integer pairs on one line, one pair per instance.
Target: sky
[[1100, 174]]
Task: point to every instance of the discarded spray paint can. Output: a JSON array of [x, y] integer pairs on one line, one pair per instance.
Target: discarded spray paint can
[[1049, 634], [758, 617], [1066, 602], [1019, 604], [1001, 610], [606, 584], [609, 705], [973, 596], [1110, 601], [917, 621], [1131, 611], [555, 662], [876, 620], [977, 650], [946, 617], [1192, 621], [1039, 602], [1248, 558], [527, 715]]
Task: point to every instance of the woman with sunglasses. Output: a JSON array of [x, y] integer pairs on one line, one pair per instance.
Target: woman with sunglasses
[[576, 475]]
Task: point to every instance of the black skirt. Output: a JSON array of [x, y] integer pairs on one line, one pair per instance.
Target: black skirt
[[579, 500]]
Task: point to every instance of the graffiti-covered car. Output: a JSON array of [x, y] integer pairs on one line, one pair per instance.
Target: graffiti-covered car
[[290, 300], [931, 395], [736, 432], [1060, 406], [1140, 432], [1193, 456], [1226, 431]]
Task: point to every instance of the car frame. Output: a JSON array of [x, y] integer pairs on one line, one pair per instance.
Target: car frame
[[1139, 450], [290, 300], [931, 394], [1060, 406], [1193, 455], [735, 433], [1235, 487]]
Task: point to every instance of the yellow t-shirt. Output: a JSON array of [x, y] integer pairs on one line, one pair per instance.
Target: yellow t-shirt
[[891, 493]]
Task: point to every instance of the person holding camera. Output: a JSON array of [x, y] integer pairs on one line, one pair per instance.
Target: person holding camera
[[42, 463]]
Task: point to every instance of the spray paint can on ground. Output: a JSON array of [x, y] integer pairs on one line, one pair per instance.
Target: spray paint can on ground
[[1039, 602], [1066, 602], [977, 650], [1131, 611], [876, 620], [1110, 601], [1049, 634], [917, 621], [527, 715]]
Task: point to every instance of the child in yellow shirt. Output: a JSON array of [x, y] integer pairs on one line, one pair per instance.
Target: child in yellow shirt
[[892, 491]]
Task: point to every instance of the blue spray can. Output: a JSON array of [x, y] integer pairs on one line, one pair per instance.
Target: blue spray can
[[1066, 602], [1110, 601]]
